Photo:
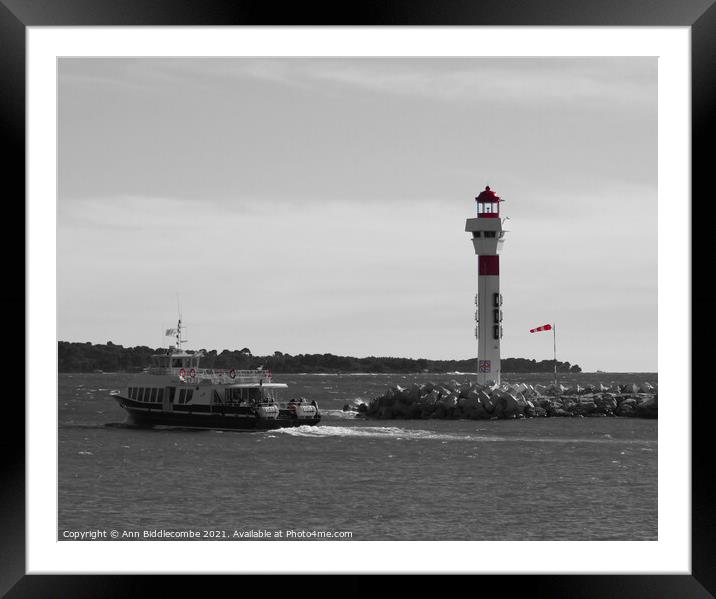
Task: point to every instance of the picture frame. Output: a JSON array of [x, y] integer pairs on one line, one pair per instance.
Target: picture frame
[[16, 16]]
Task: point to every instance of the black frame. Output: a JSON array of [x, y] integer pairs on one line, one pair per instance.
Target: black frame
[[16, 15]]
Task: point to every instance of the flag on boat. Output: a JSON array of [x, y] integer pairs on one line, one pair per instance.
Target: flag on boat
[[170, 332], [544, 327]]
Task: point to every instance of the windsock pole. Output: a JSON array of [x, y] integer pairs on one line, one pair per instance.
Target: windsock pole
[[554, 338]]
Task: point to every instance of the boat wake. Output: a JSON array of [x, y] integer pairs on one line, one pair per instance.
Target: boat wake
[[401, 434], [369, 432], [340, 414]]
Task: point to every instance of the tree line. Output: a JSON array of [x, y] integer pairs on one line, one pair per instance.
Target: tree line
[[109, 357]]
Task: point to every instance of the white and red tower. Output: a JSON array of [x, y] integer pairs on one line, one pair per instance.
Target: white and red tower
[[487, 237]]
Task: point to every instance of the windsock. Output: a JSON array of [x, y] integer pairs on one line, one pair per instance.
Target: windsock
[[544, 327]]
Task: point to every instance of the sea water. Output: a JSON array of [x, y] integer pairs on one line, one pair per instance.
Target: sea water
[[527, 479]]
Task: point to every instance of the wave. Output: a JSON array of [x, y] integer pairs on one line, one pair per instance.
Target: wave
[[127, 425], [95, 425], [339, 414], [400, 434]]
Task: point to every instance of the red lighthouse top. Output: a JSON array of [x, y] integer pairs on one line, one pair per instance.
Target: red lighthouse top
[[488, 204]]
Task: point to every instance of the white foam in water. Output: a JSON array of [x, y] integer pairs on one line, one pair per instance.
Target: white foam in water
[[340, 414], [399, 434], [374, 432]]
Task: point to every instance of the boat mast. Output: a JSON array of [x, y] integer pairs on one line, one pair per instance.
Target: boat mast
[[179, 339]]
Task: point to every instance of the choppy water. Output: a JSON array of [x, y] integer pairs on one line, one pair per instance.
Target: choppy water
[[537, 479]]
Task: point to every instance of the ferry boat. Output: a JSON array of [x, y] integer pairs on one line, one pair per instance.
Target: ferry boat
[[175, 391]]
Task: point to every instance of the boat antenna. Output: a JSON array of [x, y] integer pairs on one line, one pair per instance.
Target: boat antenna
[[179, 339]]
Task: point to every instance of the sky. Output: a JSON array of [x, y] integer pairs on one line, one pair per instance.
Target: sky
[[318, 205]]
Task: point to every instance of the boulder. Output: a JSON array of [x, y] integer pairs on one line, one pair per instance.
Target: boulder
[[553, 389], [401, 410], [449, 401], [649, 408], [532, 411], [412, 393], [385, 413], [507, 406], [454, 386], [626, 407]]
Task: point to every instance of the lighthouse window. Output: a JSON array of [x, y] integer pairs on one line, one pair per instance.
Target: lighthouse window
[[480, 208], [488, 208], [477, 233], [489, 233]]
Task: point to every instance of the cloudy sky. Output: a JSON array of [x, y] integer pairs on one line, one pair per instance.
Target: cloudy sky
[[319, 205]]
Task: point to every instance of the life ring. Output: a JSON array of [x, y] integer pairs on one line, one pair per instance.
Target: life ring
[[182, 373], [232, 373], [192, 373]]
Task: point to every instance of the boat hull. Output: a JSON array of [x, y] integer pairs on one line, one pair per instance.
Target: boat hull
[[245, 420]]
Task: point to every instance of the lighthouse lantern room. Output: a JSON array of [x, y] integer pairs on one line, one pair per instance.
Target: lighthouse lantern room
[[487, 239]]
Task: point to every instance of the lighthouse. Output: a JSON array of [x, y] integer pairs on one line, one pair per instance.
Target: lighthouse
[[487, 238]]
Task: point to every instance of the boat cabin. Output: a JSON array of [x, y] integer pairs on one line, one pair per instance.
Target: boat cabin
[[165, 363]]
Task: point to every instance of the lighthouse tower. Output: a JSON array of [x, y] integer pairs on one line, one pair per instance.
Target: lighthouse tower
[[487, 237]]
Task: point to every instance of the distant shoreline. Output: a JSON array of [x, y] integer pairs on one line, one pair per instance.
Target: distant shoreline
[[110, 357], [504, 374]]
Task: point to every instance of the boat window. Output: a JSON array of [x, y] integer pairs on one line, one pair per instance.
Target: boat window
[[154, 395], [160, 395], [182, 393], [176, 363], [172, 390], [140, 397], [189, 393]]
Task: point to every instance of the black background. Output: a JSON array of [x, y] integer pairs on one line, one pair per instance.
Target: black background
[[16, 15]]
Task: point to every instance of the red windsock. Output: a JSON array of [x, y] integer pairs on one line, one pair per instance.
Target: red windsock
[[545, 327]]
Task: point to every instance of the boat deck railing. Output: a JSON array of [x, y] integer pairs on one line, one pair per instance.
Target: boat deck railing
[[215, 375]]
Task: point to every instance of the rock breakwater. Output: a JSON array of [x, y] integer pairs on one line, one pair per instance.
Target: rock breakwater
[[470, 400]]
